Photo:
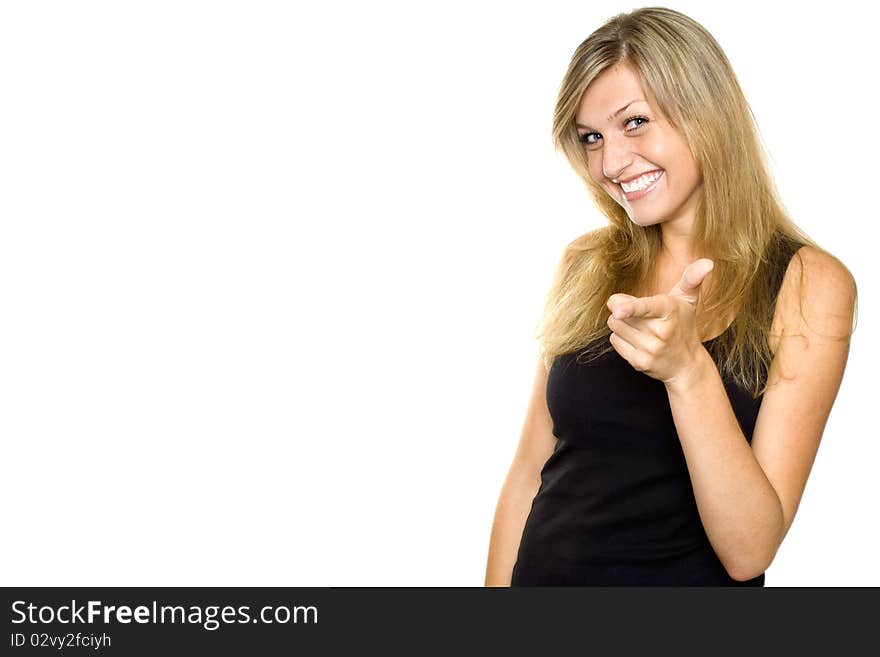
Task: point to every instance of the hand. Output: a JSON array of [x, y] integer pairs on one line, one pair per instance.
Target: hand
[[658, 335]]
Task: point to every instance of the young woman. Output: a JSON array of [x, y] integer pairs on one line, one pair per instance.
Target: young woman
[[691, 349]]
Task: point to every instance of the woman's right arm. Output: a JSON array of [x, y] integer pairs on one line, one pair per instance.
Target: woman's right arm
[[536, 444]]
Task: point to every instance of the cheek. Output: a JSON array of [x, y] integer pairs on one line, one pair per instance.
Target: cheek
[[661, 152], [684, 162], [595, 164], [688, 171]]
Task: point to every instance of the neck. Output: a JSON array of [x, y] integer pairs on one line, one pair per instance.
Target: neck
[[677, 252]]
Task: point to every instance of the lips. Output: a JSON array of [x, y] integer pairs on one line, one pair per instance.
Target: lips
[[639, 175], [641, 193]]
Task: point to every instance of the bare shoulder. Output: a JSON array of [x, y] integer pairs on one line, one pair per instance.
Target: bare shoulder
[[815, 312], [817, 298]]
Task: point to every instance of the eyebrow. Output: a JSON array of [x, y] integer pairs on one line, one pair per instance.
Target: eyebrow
[[611, 118]]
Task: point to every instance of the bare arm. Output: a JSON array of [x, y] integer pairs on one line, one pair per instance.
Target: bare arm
[[747, 495], [522, 482]]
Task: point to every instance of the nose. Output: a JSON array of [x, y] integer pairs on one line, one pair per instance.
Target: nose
[[615, 158]]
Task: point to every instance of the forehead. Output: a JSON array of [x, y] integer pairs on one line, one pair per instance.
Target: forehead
[[613, 88]]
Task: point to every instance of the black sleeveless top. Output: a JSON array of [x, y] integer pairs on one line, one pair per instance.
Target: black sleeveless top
[[615, 506]]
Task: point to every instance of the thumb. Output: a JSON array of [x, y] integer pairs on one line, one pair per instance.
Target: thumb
[[688, 287]]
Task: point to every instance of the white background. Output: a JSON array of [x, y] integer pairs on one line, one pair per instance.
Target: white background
[[269, 277]]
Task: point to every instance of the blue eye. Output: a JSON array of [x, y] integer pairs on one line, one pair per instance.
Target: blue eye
[[584, 138]]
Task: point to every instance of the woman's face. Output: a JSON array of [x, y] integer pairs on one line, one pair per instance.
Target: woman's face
[[637, 141]]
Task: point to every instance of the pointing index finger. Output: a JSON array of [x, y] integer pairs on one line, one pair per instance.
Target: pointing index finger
[[647, 307]]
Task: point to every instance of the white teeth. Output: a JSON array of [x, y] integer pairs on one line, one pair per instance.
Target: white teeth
[[640, 183]]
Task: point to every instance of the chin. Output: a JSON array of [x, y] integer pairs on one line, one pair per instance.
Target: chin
[[644, 221]]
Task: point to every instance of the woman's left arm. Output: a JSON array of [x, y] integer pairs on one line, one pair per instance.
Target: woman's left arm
[[747, 495]]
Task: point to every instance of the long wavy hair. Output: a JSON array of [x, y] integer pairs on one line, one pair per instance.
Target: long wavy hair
[[741, 224]]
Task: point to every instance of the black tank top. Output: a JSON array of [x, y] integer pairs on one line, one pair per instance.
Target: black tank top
[[615, 505]]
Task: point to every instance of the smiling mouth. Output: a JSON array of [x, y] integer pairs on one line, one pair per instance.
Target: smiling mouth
[[637, 194]]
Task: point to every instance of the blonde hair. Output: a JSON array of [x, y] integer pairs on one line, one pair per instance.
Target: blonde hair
[[740, 222]]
